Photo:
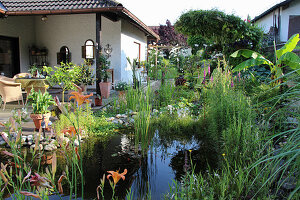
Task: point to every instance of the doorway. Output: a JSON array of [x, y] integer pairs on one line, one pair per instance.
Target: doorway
[[9, 56]]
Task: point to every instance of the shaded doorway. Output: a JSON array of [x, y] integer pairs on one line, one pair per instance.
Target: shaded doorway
[[9, 56]]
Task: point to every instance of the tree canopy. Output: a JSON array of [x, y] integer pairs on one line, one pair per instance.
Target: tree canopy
[[226, 32], [168, 35]]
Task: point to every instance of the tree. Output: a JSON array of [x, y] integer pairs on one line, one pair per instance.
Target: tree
[[225, 33], [169, 37]]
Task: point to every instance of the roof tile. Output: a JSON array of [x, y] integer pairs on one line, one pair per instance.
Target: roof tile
[[28, 5]]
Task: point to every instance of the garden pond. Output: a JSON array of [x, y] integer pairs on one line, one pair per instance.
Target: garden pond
[[150, 172]]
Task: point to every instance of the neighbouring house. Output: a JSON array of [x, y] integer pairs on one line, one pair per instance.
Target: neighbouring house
[[281, 21], [50, 31]]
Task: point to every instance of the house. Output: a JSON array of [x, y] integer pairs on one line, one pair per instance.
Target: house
[[49, 31], [280, 21]]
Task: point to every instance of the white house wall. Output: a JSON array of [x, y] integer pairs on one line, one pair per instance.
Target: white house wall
[[267, 21], [130, 34], [111, 34], [24, 29], [65, 30], [293, 9]]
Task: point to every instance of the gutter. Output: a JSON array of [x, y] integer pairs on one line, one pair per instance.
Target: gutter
[[138, 21], [271, 9]]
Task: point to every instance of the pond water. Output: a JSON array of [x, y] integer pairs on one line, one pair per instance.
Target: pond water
[[151, 171]]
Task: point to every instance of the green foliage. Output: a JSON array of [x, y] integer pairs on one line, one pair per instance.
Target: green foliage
[[85, 75], [134, 66], [225, 32], [102, 66], [40, 102], [87, 121], [197, 43], [65, 76], [121, 86], [284, 57]]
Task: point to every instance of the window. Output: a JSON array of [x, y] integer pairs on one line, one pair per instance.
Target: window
[[138, 51], [64, 55], [88, 50]]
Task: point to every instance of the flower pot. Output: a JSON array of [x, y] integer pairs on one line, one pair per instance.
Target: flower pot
[[105, 89], [38, 118], [98, 101]]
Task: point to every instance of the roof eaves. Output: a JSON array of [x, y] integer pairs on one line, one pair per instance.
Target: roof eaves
[[271, 9], [2, 9], [64, 11], [140, 23]]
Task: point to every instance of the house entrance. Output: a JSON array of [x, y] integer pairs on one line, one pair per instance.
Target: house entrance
[[9, 56]]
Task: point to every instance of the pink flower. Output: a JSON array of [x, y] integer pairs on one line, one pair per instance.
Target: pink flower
[[232, 83], [208, 70], [211, 78]]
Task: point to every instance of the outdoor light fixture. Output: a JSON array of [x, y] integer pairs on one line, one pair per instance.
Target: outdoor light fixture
[[108, 49], [44, 18]]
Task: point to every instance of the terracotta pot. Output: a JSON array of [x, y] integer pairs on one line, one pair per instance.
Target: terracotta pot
[[37, 119], [98, 101], [105, 89]]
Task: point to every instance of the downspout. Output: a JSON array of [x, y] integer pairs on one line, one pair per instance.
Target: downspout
[[279, 24]]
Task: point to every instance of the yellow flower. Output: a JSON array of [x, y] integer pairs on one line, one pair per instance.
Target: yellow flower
[[223, 154], [190, 150], [80, 98]]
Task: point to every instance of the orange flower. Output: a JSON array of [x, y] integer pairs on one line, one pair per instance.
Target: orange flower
[[116, 176], [71, 131], [77, 154], [80, 98]]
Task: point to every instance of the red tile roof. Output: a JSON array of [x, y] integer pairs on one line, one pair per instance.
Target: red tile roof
[[48, 7], [30, 5]]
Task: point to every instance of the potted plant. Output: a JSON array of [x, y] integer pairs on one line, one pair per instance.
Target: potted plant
[[85, 76], [40, 103], [121, 87], [65, 76], [98, 100], [104, 85]]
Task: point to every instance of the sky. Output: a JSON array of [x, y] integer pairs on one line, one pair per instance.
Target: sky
[[156, 12]]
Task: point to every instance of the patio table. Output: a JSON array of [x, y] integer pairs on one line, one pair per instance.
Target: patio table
[[36, 83]]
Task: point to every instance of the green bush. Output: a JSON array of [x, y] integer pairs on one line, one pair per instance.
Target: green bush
[[91, 124]]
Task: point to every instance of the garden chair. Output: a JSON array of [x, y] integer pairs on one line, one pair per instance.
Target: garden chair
[[10, 91], [22, 75]]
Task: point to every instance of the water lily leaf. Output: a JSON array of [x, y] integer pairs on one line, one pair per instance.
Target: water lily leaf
[[289, 46]]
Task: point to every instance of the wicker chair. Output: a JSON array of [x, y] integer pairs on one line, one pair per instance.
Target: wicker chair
[[10, 91], [21, 75]]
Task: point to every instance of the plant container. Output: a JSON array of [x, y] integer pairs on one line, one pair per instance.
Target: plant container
[[105, 89], [38, 118], [98, 101]]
